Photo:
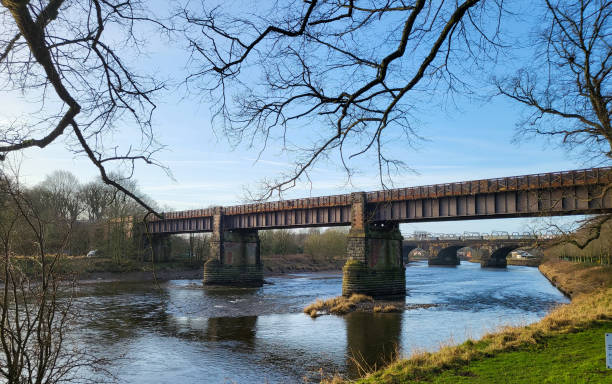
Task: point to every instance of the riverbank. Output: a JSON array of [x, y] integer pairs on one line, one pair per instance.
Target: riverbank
[[520, 262], [300, 262], [99, 269], [566, 346], [576, 278], [96, 269]]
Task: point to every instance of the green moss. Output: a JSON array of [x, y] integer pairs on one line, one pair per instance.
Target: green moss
[[354, 264]]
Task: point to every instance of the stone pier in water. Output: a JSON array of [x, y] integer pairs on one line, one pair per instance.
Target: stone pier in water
[[375, 265], [234, 256]]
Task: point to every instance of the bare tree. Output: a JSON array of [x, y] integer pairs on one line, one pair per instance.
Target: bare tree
[[60, 192], [36, 310], [566, 88], [347, 74], [72, 61], [96, 197]]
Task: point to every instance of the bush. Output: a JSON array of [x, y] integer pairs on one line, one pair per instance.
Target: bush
[[329, 245], [280, 242]]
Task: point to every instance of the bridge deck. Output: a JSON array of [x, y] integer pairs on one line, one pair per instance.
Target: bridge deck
[[548, 194]]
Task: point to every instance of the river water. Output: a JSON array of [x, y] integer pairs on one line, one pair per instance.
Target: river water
[[180, 332]]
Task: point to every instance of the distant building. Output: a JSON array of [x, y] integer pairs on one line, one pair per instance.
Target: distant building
[[520, 254]]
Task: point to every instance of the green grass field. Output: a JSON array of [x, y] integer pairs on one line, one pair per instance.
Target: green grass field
[[570, 358], [566, 358]]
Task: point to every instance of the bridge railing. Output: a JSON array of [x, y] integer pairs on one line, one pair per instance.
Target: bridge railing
[[512, 183], [494, 235]]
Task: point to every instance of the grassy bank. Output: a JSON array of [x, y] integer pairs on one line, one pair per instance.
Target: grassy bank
[[300, 262], [576, 278], [542, 362], [567, 346], [563, 339]]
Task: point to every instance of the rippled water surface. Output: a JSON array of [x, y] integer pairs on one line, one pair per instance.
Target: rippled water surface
[[183, 333]]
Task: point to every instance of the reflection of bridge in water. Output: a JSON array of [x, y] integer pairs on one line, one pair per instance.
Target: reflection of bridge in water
[[442, 248], [374, 248]]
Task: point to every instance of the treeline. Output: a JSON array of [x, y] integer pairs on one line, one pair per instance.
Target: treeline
[[319, 245], [597, 251], [81, 217], [75, 218]]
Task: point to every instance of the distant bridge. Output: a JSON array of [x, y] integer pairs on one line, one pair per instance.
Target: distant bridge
[[374, 247], [442, 248]]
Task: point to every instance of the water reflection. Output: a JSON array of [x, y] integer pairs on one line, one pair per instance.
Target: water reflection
[[372, 340], [232, 328]]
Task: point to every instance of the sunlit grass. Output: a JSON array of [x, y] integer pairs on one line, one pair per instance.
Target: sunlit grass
[[583, 312], [337, 306]]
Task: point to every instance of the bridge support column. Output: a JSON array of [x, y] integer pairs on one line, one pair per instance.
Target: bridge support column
[[160, 247], [374, 266], [235, 258], [496, 258]]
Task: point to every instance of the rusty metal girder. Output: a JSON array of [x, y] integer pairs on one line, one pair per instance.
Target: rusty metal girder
[[556, 193]]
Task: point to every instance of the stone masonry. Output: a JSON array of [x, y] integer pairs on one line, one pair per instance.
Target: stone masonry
[[235, 257], [374, 251]]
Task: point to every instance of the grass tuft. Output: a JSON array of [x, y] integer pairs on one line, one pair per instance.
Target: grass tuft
[[337, 306], [388, 308]]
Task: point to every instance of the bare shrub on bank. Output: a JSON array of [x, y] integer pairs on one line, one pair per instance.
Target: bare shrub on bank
[[36, 306]]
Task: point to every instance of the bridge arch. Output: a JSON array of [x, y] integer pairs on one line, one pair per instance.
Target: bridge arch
[[446, 256], [410, 252], [498, 257], [406, 250]]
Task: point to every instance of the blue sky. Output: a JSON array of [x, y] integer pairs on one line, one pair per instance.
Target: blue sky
[[472, 143], [471, 140]]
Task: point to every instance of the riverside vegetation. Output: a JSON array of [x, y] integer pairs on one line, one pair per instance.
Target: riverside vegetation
[[281, 252], [566, 346], [100, 218]]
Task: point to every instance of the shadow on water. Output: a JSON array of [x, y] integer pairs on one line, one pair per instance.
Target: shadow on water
[[372, 341]]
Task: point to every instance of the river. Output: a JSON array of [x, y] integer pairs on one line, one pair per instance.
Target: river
[[180, 332]]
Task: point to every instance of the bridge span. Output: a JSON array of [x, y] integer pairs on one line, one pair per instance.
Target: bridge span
[[374, 249]]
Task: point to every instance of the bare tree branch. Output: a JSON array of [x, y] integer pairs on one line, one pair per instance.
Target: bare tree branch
[[348, 72]]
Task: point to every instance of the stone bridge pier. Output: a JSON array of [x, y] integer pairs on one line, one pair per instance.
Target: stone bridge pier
[[496, 256], [156, 247], [234, 256], [374, 252]]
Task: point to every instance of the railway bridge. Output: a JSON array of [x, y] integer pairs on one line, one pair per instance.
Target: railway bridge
[[374, 251]]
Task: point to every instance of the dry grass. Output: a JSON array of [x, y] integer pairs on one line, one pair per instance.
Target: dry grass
[[337, 306], [576, 278], [386, 308]]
